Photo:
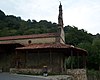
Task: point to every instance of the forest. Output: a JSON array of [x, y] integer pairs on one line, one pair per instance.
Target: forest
[[11, 25]]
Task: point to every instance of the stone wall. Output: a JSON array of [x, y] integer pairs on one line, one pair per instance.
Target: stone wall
[[78, 74], [58, 77], [26, 41], [0, 70], [28, 70], [75, 74], [62, 36]]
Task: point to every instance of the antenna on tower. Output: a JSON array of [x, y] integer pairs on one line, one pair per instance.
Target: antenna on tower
[[59, 1]]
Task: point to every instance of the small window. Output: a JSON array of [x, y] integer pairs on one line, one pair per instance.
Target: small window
[[29, 41]]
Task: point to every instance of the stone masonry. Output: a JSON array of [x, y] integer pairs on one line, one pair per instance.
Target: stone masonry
[[78, 74]]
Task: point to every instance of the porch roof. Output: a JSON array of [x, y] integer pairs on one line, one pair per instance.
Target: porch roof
[[59, 46]]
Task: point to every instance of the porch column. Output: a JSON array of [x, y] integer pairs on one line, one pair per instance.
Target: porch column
[[62, 65], [50, 60], [65, 60], [16, 62], [78, 60], [84, 60], [38, 57], [26, 52], [71, 59]]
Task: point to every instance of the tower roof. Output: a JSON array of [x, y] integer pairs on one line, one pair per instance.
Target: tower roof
[[60, 5]]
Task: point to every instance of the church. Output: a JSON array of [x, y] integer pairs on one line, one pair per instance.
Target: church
[[30, 53]]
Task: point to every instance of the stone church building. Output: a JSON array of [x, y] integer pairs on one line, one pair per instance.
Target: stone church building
[[29, 53]]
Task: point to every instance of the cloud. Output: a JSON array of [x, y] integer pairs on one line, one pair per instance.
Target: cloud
[[83, 14], [35, 9]]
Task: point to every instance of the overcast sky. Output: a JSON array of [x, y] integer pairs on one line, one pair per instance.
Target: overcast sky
[[84, 14]]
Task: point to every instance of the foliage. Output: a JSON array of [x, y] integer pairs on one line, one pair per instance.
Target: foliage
[[13, 25], [2, 15], [75, 36], [93, 75]]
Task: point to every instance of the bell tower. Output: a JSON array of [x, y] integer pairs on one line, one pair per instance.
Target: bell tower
[[60, 25]]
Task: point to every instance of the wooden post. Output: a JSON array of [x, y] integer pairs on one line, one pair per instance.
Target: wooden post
[[62, 64], [51, 60], [84, 60], [38, 58], [26, 59], [65, 60], [50, 57], [71, 59], [16, 62], [78, 59]]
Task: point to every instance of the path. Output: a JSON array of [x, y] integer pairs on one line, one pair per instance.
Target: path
[[8, 76]]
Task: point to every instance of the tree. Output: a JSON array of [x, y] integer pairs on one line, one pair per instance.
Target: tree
[[2, 15], [74, 36], [96, 51]]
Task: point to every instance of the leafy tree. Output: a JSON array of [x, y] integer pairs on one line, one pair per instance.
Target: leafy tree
[[2, 15], [74, 36], [96, 52], [93, 61]]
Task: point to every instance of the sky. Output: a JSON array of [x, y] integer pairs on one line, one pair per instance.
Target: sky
[[84, 14]]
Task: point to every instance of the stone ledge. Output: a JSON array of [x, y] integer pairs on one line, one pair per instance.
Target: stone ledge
[[34, 71], [0, 70], [23, 70]]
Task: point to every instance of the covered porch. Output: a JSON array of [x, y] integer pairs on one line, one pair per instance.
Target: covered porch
[[57, 57], [7, 55]]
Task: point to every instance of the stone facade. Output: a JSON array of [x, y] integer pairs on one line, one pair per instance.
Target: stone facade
[[26, 41], [27, 70], [0, 69], [78, 74]]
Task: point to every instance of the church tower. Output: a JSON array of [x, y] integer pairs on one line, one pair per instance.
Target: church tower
[[60, 25]]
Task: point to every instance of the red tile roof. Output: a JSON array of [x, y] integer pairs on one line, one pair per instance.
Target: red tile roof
[[46, 45], [7, 43], [58, 46], [29, 36], [49, 45]]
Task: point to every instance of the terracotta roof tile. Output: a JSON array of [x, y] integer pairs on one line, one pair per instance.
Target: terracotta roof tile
[[29, 36], [7, 43], [46, 45], [51, 45]]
